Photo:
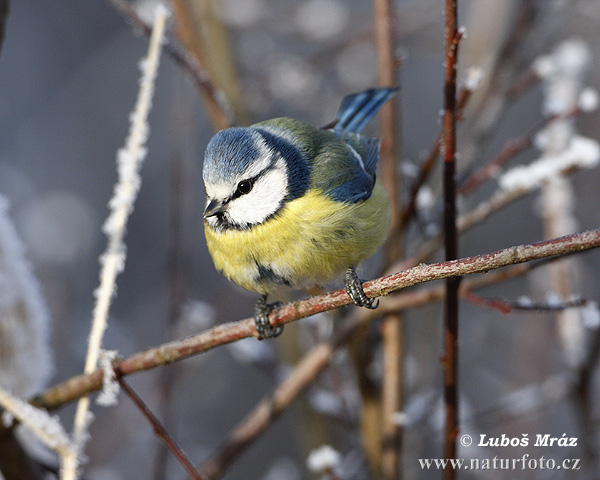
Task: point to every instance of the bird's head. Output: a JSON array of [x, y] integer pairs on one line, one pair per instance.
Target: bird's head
[[249, 174]]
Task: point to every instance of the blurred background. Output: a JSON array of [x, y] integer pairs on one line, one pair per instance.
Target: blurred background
[[68, 81]]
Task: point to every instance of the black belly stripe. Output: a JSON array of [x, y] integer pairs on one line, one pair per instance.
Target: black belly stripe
[[267, 275]]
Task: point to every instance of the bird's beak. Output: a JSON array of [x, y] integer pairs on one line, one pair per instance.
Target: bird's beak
[[213, 208]]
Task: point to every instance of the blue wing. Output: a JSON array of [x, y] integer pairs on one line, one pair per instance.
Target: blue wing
[[362, 153], [361, 159], [358, 109]]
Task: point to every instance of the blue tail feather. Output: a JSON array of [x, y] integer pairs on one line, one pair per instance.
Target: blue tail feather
[[358, 109]]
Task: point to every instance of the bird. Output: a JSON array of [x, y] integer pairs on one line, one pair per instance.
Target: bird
[[292, 205]]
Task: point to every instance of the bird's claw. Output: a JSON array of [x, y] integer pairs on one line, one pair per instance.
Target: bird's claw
[[355, 290], [262, 309]]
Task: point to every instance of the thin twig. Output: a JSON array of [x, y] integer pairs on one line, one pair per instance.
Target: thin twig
[[129, 164], [450, 355], [159, 430], [182, 205], [222, 334], [506, 307], [477, 215]]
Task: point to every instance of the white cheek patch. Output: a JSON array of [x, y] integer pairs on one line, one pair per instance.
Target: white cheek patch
[[265, 198]]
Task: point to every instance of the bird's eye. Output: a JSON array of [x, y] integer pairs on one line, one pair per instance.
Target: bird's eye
[[244, 187]]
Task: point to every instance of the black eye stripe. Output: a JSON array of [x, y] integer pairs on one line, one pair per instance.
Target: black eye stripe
[[251, 181], [244, 187]]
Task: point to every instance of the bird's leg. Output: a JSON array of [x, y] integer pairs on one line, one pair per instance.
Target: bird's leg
[[262, 309], [355, 290]]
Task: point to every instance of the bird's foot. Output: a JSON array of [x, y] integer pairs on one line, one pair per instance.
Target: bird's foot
[[262, 309], [355, 290]]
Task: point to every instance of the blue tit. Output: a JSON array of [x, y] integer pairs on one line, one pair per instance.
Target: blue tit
[[292, 205]]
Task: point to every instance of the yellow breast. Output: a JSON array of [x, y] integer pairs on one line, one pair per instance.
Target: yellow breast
[[312, 240]]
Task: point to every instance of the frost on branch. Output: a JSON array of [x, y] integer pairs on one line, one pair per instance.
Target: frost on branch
[[46, 428], [581, 152], [25, 358]]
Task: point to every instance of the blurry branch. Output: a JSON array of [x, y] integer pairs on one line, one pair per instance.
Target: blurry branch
[[229, 332], [511, 149], [269, 409], [389, 114], [4, 11], [159, 430], [384, 447], [562, 74], [585, 396], [216, 99], [129, 161], [449, 357], [506, 307], [500, 89], [203, 34]]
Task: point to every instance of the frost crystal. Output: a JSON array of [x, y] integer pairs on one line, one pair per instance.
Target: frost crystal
[[590, 315], [322, 459], [400, 418], [524, 301], [589, 99], [110, 386], [553, 300], [474, 78]]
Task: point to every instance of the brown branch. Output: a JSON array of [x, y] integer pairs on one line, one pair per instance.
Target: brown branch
[[159, 430], [450, 356], [80, 385], [223, 113], [201, 31], [388, 442], [506, 307]]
